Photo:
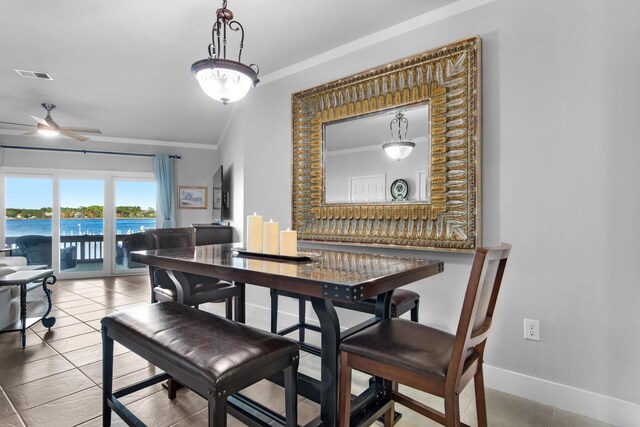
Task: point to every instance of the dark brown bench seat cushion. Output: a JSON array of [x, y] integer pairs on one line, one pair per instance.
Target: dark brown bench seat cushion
[[204, 351]]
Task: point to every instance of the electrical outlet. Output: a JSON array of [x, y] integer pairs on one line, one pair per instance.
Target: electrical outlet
[[531, 329]]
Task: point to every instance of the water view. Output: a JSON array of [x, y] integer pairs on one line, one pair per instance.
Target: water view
[[76, 226]]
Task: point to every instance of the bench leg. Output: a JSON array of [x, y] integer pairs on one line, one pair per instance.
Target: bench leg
[[291, 392], [107, 376], [217, 411], [228, 308], [414, 312], [172, 387]]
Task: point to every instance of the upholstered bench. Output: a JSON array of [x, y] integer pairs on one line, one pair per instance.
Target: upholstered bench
[[210, 355]]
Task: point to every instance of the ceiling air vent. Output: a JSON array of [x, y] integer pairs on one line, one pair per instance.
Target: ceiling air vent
[[33, 75]]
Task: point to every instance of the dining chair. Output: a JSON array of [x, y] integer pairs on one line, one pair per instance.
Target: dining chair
[[426, 358], [200, 289]]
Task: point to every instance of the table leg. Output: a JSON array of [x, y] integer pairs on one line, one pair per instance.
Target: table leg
[[330, 330], [48, 322], [239, 303]]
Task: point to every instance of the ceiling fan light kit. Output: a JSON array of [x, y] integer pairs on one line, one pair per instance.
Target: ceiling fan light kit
[[220, 78]]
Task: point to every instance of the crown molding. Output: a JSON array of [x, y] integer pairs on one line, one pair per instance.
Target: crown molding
[[130, 141], [415, 23]]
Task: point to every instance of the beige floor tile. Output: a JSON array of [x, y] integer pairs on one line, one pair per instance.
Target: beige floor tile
[[93, 292], [68, 411], [59, 333], [562, 418], [307, 411], [12, 376], [158, 411], [128, 306], [76, 286], [58, 313], [115, 299], [123, 364], [60, 323], [77, 342], [95, 324], [74, 303], [91, 354], [60, 295], [86, 308], [7, 341], [116, 421], [507, 410], [133, 378], [101, 281], [12, 421], [200, 419], [95, 315], [268, 394], [18, 356], [6, 408], [47, 389], [138, 279]]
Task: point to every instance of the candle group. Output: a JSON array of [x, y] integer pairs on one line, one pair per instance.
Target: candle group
[[266, 237]]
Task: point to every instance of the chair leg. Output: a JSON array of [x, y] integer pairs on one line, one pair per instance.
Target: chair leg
[[481, 405], [414, 312], [452, 409], [107, 377], [274, 311], [228, 308], [344, 393], [217, 411], [389, 416], [291, 392], [302, 315]]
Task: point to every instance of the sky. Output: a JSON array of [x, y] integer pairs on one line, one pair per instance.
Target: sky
[[36, 193]]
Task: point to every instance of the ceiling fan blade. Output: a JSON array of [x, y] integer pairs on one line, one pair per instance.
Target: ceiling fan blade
[[17, 124], [74, 135], [32, 133], [81, 130], [41, 121]]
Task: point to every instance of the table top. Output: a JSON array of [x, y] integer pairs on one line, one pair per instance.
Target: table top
[[338, 275], [22, 277]]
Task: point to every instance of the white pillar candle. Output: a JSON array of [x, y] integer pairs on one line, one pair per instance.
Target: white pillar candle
[[289, 242], [254, 233], [270, 239]]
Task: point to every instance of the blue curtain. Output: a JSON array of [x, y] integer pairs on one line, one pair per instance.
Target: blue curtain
[[163, 170]]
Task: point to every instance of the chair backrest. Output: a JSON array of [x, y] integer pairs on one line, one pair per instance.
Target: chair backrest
[[478, 306], [167, 238]]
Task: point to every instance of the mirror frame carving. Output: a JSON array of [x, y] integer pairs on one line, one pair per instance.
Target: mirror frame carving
[[448, 79]]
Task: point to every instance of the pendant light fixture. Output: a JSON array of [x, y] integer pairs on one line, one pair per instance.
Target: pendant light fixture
[[400, 148], [223, 79]]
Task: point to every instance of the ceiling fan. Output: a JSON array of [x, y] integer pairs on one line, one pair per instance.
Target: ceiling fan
[[48, 127]]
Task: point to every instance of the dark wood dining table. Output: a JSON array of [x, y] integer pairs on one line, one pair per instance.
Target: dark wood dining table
[[328, 276]]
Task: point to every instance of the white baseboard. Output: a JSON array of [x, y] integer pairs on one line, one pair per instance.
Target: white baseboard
[[593, 405]]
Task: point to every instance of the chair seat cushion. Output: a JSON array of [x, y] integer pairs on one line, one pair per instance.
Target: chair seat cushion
[[404, 296], [408, 345], [209, 351]]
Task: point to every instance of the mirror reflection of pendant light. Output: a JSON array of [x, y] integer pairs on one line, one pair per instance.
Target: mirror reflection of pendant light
[[400, 148], [223, 79]]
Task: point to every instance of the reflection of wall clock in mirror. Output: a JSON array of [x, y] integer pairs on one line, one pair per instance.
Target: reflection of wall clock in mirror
[[399, 189]]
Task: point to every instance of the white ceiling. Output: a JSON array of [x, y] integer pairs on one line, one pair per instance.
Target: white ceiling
[[124, 65]]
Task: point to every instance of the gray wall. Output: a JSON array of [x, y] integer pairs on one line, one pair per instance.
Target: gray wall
[[559, 164]]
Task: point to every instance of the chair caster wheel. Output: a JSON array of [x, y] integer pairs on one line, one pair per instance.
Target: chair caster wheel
[[48, 322]]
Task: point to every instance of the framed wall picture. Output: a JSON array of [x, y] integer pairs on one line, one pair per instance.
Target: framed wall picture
[[192, 197]]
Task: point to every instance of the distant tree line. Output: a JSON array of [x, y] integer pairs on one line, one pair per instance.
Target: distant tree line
[[80, 212]]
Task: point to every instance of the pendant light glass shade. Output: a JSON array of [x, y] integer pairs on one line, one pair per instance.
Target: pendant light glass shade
[[401, 148], [220, 78], [398, 150]]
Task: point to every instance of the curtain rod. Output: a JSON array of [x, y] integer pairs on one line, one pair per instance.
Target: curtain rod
[[69, 150]]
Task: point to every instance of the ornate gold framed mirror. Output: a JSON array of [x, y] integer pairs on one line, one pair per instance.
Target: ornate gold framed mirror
[[346, 188]]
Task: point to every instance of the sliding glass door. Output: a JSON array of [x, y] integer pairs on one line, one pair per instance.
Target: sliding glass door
[[82, 225], [135, 212]]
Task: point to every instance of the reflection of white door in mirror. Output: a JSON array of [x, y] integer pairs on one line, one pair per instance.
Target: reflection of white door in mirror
[[367, 188]]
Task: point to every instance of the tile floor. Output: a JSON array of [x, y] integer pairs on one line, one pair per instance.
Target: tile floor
[[56, 380]]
